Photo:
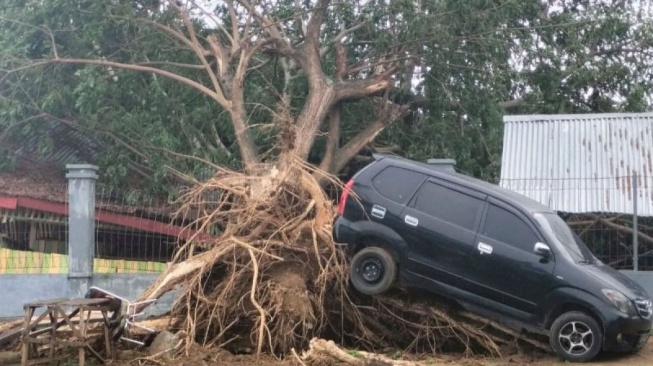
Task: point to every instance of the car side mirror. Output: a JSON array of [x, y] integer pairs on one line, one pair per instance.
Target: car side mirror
[[542, 249]]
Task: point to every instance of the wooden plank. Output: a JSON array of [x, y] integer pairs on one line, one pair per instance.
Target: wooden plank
[[96, 354], [29, 311], [57, 325], [44, 302], [65, 317], [41, 340], [82, 326], [43, 360], [53, 335], [10, 335], [33, 323], [98, 301]]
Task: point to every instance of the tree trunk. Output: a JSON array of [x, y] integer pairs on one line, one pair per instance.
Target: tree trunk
[[332, 139], [248, 151], [356, 144], [319, 102]]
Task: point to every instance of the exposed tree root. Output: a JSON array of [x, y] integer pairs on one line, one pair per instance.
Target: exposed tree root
[[271, 278], [327, 352]]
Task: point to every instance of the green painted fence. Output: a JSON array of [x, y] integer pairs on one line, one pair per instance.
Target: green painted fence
[[17, 261]]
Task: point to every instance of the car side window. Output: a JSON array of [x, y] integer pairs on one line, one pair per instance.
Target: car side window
[[448, 205], [397, 184], [506, 227]]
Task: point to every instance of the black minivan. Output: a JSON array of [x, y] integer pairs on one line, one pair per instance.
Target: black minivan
[[493, 251]]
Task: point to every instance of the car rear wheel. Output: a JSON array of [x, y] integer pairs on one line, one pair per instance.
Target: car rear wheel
[[372, 271], [576, 337]]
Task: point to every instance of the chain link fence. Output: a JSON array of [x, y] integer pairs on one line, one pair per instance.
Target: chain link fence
[[613, 216], [129, 238]]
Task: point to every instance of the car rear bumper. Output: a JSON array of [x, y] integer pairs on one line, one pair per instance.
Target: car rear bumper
[[625, 333]]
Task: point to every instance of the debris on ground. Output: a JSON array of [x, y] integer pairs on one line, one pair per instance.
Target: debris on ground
[[165, 344]]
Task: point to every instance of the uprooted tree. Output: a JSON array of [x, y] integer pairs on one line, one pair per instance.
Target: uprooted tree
[[261, 264], [262, 261], [273, 270]]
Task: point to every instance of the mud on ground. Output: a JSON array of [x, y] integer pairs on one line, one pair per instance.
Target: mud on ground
[[221, 358], [216, 357]]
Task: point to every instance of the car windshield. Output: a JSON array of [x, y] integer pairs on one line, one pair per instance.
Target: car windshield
[[569, 240]]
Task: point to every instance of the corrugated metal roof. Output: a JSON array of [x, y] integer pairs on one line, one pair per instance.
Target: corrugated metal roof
[[70, 146], [580, 162]]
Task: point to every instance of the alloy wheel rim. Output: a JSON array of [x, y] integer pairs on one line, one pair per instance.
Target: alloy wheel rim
[[576, 338]]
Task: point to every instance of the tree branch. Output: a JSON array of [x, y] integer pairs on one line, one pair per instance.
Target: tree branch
[[176, 35], [343, 33], [333, 137], [366, 65], [218, 141], [512, 103], [312, 61], [300, 19], [199, 50], [235, 36], [8, 129], [245, 58], [218, 97], [174, 64], [314, 24], [321, 96], [356, 144], [358, 89], [215, 21], [625, 229], [34, 65], [270, 27]]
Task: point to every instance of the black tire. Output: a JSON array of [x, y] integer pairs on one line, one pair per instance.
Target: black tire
[[576, 337], [372, 271]]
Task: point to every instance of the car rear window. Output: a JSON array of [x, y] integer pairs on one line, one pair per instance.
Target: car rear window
[[397, 184]]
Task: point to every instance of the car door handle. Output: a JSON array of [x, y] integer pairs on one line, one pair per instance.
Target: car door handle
[[378, 211], [412, 221], [484, 248]]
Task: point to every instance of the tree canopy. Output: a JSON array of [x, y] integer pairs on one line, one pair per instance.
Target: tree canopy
[[159, 88]]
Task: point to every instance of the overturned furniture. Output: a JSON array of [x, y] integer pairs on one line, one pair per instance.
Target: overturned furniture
[[125, 317], [95, 322], [66, 329]]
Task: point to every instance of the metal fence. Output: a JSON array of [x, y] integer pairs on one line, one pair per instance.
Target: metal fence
[[613, 215], [128, 238], [143, 232], [33, 240]]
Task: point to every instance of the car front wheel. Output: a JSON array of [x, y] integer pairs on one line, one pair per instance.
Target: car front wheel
[[372, 271], [576, 337]]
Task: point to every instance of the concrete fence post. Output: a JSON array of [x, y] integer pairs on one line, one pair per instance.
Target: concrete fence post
[[81, 226]]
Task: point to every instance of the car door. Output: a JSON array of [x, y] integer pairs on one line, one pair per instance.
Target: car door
[[440, 228], [505, 262]]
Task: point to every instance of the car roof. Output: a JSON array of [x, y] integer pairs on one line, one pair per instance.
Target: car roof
[[482, 186]]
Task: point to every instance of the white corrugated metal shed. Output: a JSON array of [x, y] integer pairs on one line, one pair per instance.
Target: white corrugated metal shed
[[580, 162]]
